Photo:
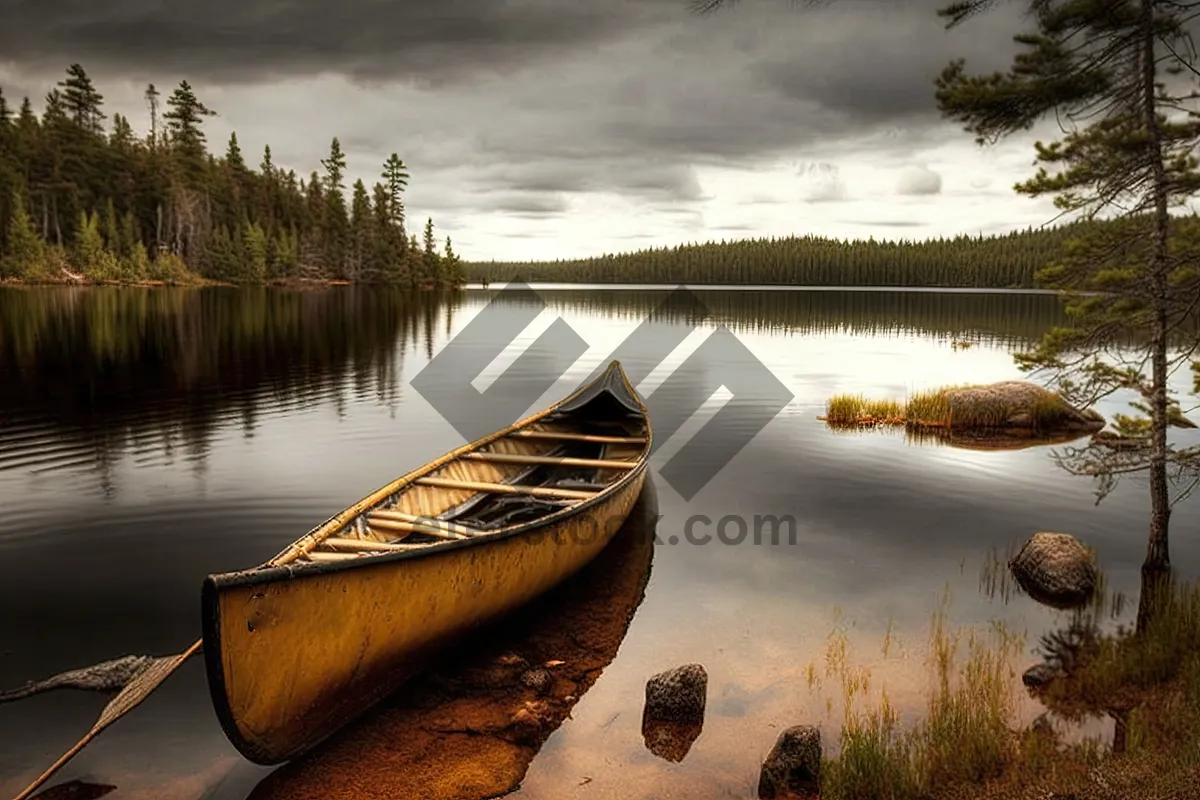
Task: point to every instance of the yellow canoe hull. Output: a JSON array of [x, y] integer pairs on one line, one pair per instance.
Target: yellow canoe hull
[[295, 650]]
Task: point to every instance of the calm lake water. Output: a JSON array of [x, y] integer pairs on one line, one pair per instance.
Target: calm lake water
[[149, 437]]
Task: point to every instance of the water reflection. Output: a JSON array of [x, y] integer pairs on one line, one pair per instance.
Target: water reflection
[[95, 372], [217, 448], [472, 725], [670, 741], [75, 790]]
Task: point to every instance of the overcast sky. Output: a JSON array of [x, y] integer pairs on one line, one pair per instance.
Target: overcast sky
[[539, 129]]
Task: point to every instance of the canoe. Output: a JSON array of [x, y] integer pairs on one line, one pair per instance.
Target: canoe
[[298, 647], [486, 727]]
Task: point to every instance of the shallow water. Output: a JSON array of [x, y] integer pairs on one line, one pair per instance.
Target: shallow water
[[149, 437]]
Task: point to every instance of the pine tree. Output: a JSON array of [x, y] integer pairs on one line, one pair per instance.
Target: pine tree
[[430, 261], [359, 263], [452, 266], [81, 100], [233, 155], [254, 252], [183, 120], [336, 222], [413, 262], [1099, 66], [25, 257], [395, 177], [89, 255]]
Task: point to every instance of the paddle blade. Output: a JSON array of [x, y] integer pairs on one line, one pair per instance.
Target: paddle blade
[[140, 687], [129, 697]]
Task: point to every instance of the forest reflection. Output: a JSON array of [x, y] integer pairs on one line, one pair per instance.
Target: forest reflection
[[92, 371], [103, 368]]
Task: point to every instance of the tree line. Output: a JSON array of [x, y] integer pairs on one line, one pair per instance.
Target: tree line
[[82, 200], [1006, 261]]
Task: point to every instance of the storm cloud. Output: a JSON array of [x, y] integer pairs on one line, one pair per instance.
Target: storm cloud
[[566, 114]]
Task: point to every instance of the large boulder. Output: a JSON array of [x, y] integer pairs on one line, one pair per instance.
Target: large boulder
[[1055, 569], [793, 767], [677, 695], [1017, 404]]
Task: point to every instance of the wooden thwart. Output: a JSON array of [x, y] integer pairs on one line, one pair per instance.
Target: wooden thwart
[[321, 555], [505, 488], [577, 437], [404, 526], [516, 458], [402, 516]]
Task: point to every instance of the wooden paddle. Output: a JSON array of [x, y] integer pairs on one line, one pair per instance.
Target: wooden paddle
[[126, 700]]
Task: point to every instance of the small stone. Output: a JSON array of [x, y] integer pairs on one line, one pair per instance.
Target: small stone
[[539, 680], [793, 767], [677, 695], [1040, 675], [527, 723]]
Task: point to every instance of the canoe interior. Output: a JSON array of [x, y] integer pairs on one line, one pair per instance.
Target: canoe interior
[[553, 463]]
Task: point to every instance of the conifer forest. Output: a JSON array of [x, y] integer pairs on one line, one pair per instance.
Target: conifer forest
[[85, 197]]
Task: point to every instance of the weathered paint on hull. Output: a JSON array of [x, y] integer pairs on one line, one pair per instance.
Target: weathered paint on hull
[[293, 658]]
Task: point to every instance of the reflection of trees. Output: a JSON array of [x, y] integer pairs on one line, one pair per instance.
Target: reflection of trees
[[1013, 319], [102, 370], [1145, 678]]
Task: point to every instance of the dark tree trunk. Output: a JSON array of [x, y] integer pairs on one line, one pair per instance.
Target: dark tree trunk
[[1157, 551]]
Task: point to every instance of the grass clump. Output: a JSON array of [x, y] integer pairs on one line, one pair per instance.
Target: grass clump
[[968, 741], [966, 735], [855, 409]]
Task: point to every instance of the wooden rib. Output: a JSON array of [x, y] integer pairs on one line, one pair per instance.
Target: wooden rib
[[432, 522], [514, 458], [364, 545], [319, 555], [505, 488], [413, 527], [578, 437]]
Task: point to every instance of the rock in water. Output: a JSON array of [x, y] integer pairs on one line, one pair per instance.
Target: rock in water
[[793, 767], [1019, 404], [1055, 569], [677, 695]]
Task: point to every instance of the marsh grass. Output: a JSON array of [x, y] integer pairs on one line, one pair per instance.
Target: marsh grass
[[855, 409], [968, 742], [964, 736]]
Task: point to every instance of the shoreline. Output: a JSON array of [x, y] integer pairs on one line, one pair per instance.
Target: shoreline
[[320, 283]]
